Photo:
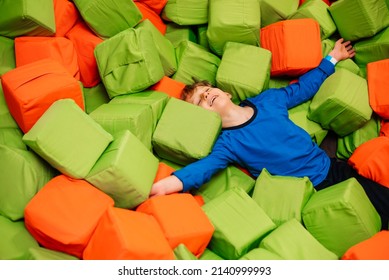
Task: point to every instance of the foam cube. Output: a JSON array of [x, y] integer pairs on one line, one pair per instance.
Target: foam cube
[[12, 137], [40, 253], [94, 97], [109, 17], [182, 220], [30, 49], [149, 14], [341, 216], [26, 174], [123, 234], [295, 45], [239, 223], [174, 138], [184, 12], [15, 240], [341, 104], [67, 138], [372, 49], [63, 215], [85, 42], [378, 82], [244, 70], [66, 16], [370, 159], [125, 171], [193, 61], [129, 62], [318, 10], [156, 5], [373, 248], [275, 11], [27, 18], [7, 54], [137, 118], [290, 192], [176, 33], [209, 255], [228, 178], [291, 241], [299, 115], [346, 145], [171, 87], [6, 119], [357, 19], [165, 48], [181, 252], [260, 254], [30, 90], [243, 24], [154, 99]]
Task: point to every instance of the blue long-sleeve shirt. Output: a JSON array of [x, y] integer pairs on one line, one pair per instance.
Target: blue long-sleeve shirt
[[269, 139]]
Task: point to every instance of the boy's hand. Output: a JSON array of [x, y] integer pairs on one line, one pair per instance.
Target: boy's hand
[[168, 185], [342, 50]]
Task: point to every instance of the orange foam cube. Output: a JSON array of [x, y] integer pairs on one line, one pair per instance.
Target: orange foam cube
[[182, 220], [63, 215], [378, 84], [171, 87], [124, 234], [29, 90], [295, 45], [374, 248]]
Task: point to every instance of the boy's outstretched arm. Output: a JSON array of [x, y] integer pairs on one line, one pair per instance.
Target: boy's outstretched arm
[[342, 50], [168, 185]]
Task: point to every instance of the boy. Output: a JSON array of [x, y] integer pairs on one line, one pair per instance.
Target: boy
[[258, 134]]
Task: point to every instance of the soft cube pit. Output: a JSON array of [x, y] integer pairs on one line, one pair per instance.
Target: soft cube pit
[[77, 168]]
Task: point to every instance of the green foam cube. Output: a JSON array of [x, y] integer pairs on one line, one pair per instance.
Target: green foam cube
[[68, 138], [185, 132], [194, 61], [347, 144], [7, 54], [239, 223], [15, 241], [291, 241], [299, 115], [26, 174], [125, 171], [108, 17], [137, 118], [186, 12], [27, 18], [155, 99], [128, 62], [228, 178], [342, 103], [357, 19], [282, 197], [244, 70], [341, 216], [243, 24], [274, 11]]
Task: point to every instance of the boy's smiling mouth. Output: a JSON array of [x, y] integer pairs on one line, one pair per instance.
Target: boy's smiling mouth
[[212, 100]]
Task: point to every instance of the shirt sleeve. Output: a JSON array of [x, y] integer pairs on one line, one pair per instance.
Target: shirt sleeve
[[302, 90], [196, 174], [308, 84]]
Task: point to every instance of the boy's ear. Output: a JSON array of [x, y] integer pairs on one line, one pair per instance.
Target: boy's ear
[[229, 95]]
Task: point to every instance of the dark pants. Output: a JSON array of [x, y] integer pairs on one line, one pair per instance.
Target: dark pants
[[378, 194]]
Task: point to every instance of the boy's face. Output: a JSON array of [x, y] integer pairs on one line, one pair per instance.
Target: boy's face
[[210, 98]]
